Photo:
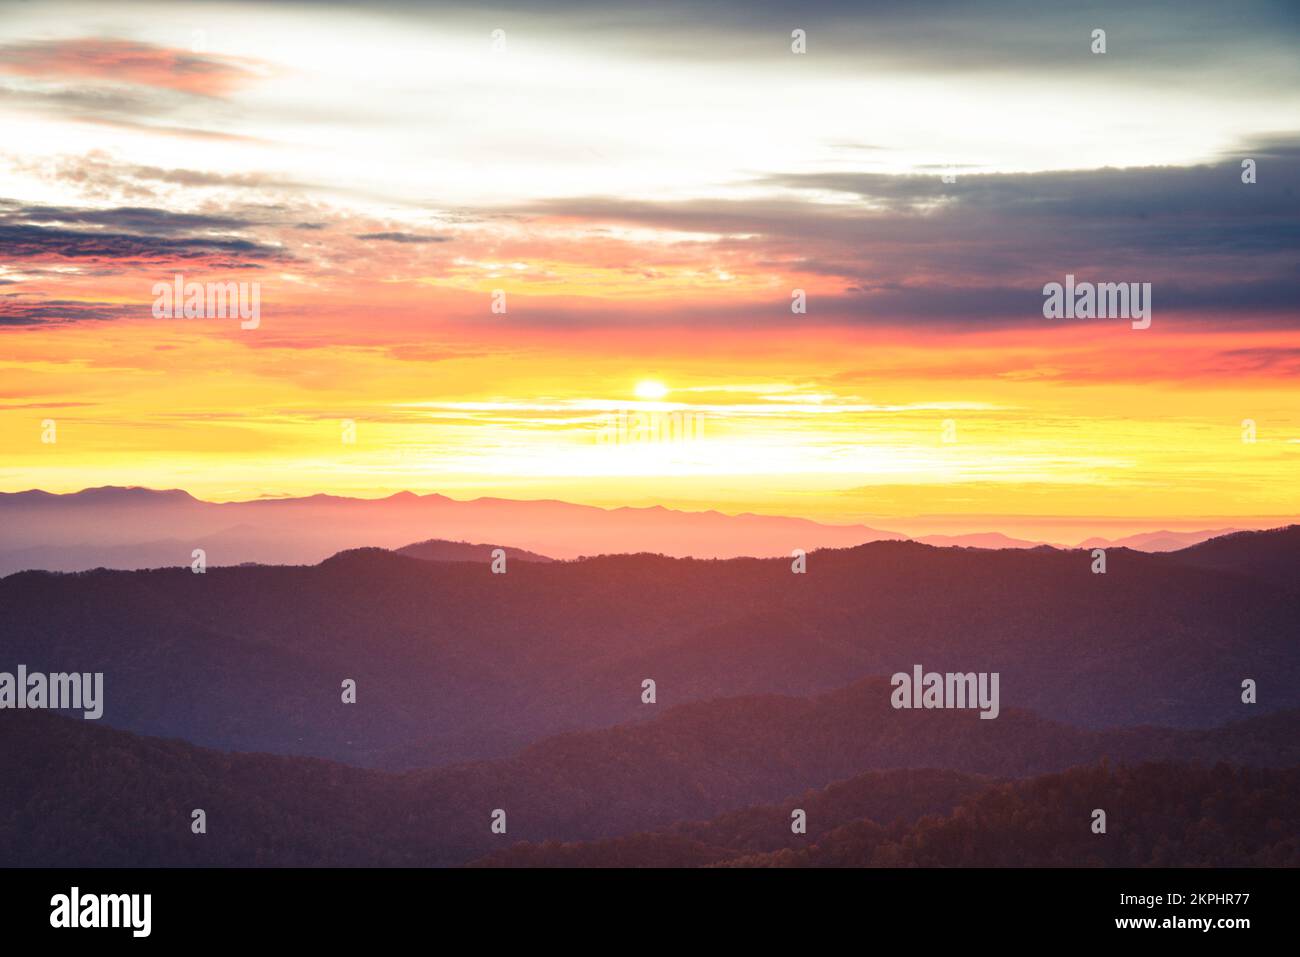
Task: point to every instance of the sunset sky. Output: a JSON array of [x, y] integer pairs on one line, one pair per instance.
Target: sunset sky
[[648, 184]]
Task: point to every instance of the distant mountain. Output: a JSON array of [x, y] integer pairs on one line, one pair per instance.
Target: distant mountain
[[140, 528], [1161, 541], [436, 550], [104, 495], [136, 528], [977, 540], [454, 663], [77, 794]]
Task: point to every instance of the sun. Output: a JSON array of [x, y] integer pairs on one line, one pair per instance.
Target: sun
[[649, 389]]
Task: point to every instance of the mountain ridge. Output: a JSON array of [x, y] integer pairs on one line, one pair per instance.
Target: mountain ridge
[[273, 810], [454, 662], [136, 527]]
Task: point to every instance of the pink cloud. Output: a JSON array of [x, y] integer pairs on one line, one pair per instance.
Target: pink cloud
[[126, 61]]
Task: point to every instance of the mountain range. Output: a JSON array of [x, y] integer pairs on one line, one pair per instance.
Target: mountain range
[[702, 784], [132, 528], [647, 709], [455, 663]]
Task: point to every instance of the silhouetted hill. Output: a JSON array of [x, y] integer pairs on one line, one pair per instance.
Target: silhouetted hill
[[882, 796], [1157, 815], [436, 550], [77, 794], [1272, 555], [453, 662]]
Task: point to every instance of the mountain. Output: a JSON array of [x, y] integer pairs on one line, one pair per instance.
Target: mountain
[[78, 794], [882, 796], [435, 550], [454, 663], [1272, 556], [1157, 815], [136, 528], [141, 528], [1159, 541], [978, 540]]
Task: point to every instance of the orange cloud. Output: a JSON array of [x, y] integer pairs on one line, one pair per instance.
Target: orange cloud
[[145, 64]]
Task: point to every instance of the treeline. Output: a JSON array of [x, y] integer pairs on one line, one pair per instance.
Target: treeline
[[713, 784], [1157, 814]]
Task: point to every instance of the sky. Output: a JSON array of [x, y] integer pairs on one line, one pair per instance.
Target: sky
[[551, 251]]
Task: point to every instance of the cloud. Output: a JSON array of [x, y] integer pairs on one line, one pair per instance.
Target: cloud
[[38, 242], [121, 238], [127, 61], [979, 250], [18, 310], [134, 218], [137, 110], [1277, 361], [1204, 40], [98, 174], [403, 238]]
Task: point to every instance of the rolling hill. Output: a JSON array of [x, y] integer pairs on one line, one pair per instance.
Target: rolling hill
[[455, 663], [78, 794]]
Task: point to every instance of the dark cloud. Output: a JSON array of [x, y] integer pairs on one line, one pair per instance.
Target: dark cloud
[[123, 237], [978, 251], [131, 218], [19, 310], [1104, 194], [38, 242], [404, 238]]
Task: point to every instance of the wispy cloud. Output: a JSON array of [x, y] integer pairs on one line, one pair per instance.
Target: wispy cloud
[[397, 237], [126, 61]]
